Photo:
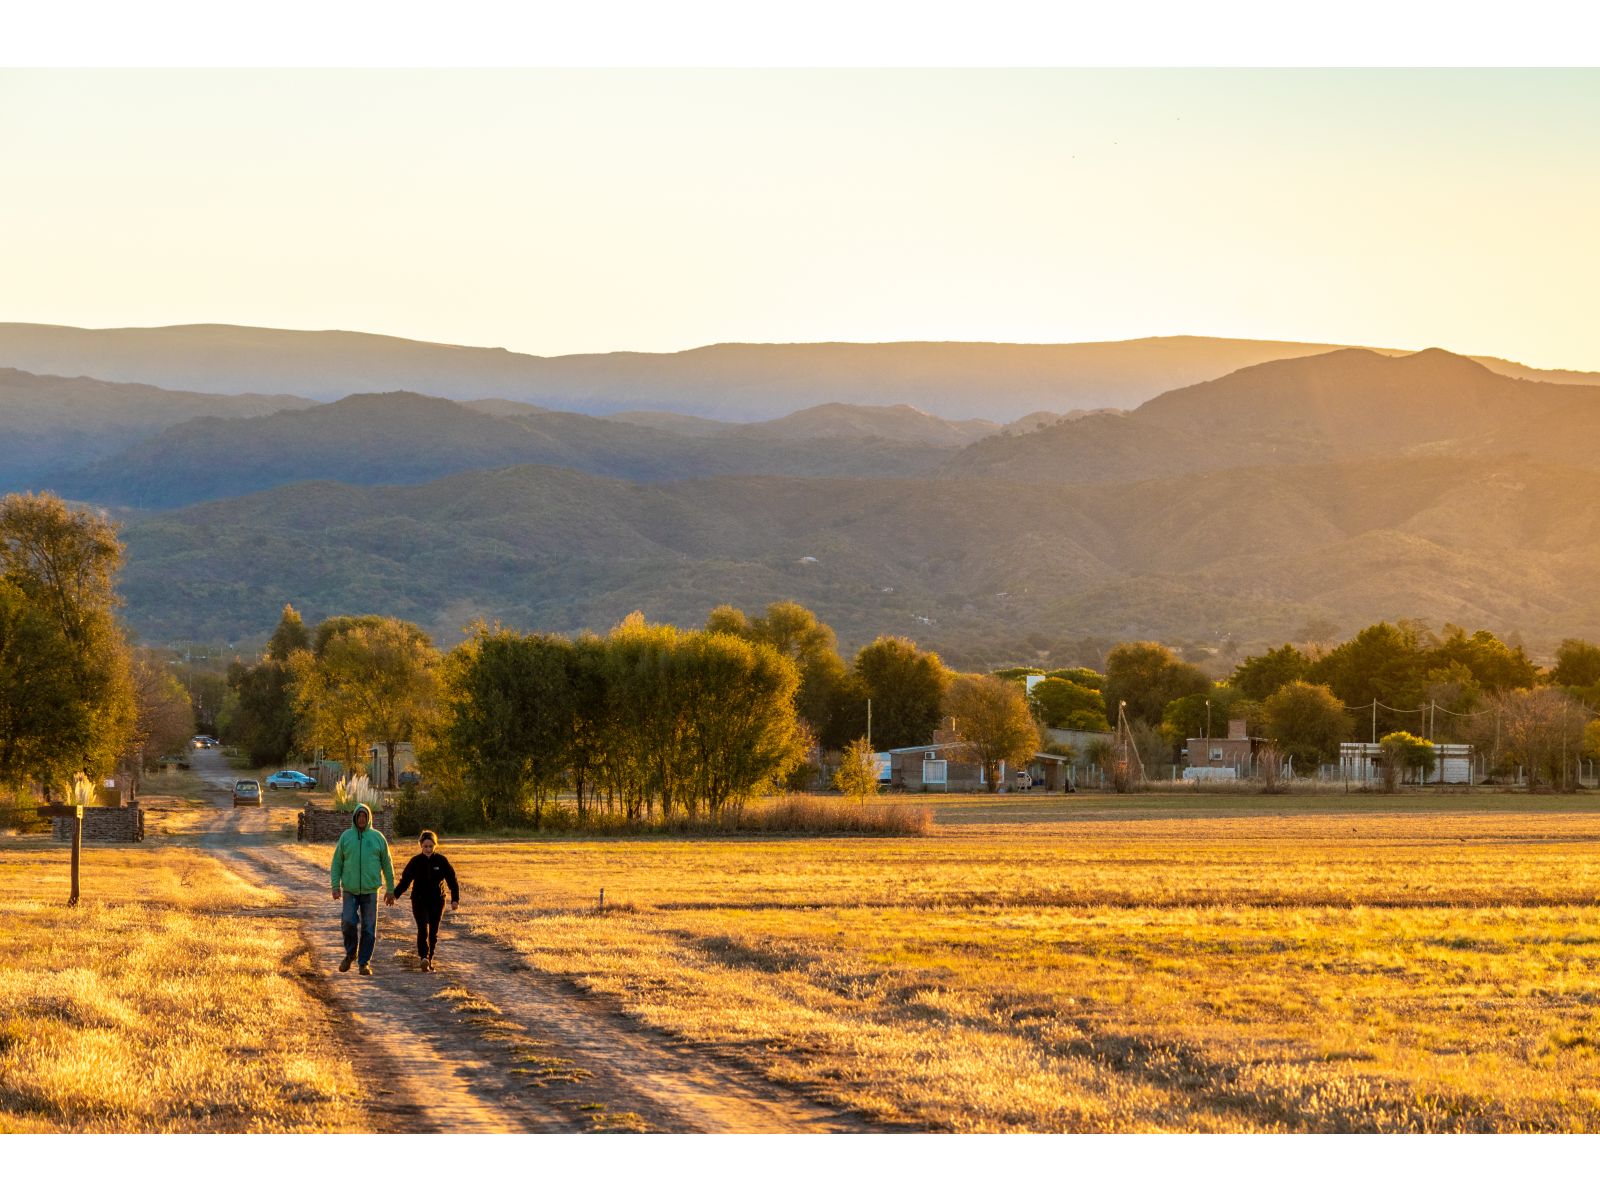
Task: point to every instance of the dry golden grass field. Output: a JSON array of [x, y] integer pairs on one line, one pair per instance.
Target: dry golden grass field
[[168, 1001], [1147, 964], [1097, 964]]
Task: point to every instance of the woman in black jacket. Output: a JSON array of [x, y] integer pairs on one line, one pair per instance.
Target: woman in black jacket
[[432, 874]]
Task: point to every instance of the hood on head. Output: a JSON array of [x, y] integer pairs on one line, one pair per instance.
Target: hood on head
[[359, 809]]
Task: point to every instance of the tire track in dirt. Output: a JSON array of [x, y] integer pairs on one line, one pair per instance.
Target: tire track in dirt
[[493, 1045]]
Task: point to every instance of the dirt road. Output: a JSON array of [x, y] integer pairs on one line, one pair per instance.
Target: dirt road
[[486, 1044]]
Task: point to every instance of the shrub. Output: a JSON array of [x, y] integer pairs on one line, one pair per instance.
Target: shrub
[[438, 810]]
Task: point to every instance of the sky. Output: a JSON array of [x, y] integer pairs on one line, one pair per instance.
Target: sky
[[562, 211]]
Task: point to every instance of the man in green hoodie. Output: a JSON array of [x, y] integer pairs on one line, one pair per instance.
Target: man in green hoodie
[[360, 864]]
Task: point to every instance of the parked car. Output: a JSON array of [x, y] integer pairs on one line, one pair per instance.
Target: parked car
[[202, 741], [246, 791], [290, 779]]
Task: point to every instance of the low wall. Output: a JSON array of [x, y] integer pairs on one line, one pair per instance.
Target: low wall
[[103, 825], [324, 825]]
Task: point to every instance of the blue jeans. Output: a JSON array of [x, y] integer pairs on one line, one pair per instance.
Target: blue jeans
[[364, 908]]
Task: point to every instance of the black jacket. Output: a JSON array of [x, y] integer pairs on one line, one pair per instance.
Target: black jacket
[[432, 873]]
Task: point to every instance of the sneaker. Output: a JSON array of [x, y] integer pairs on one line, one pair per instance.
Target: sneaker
[[366, 970], [431, 967], [348, 959]]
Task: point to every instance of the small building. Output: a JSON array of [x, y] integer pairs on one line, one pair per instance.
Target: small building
[[1361, 764], [1212, 758], [953, 767]]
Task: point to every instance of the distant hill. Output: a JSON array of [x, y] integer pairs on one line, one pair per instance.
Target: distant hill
[[49, 423], [1251, 553], [892, 422], [736, 382], [1347, 404], [403, 437]]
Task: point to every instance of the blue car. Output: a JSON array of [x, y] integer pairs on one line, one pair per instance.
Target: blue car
[[290, 779]]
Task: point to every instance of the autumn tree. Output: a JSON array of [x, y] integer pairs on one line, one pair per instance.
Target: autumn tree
[[992, 716], [1402, 755], [370, 679], [164, 715], [1540, 729]]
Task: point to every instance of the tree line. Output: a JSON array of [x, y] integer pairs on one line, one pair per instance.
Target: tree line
[[1389, 679]]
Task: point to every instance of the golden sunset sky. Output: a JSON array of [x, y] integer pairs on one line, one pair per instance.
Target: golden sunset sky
[[558, 211]]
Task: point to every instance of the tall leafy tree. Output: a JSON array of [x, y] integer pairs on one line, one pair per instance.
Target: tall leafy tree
[[1258, 676], [508, 720], [992, 716], [46, 720], [1307, 721], [906, 686], [1148, 677], [261, 716], [62, 562], [372, 678], [1383, 662], [1063, 703], [795, 632]]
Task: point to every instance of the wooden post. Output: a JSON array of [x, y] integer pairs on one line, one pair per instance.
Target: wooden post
[[77, 851]]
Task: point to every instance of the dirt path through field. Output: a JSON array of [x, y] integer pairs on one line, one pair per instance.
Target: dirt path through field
[[486, 1044]]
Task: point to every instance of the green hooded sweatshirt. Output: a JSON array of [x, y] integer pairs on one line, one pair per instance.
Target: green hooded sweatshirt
[[361, 858]]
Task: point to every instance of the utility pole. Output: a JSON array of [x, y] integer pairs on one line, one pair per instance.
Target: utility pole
[[1374, 719], [869, 720]]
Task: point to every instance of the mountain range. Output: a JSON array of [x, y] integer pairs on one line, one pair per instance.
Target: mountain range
[[1336, 487]]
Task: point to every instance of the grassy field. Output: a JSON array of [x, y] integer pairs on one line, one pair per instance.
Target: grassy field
[[159, 1004], [1182, 963]]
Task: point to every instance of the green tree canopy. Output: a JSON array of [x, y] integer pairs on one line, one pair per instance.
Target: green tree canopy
[[372, 679], [1065, 704], [1258, 676], [62, 563], [906, 687], [1148, 677], [1383, 662], [1577, 665], [1186, 717], [795, 632], [1307, 721]]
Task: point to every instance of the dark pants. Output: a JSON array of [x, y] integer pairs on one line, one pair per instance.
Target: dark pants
[[362, 909], [427, 930]]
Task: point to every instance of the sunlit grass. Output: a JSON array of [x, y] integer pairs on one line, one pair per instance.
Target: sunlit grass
[[158, 1004], [1124, 966]]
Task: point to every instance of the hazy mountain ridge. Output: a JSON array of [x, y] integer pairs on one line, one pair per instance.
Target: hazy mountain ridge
[[404, 437], [732, 381], [1251, 552], [1344, 405], [52, 423]]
